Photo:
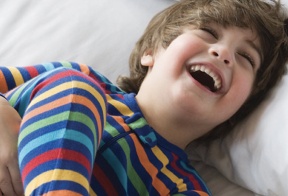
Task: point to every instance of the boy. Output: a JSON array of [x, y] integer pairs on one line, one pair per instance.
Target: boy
[[197, 68]]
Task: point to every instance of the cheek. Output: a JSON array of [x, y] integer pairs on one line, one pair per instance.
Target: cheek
[[236, 98], [179, 52], [187, 45], [243, 88]]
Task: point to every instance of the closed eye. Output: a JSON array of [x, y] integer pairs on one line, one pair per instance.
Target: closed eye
[[248, 58], [210, 31]]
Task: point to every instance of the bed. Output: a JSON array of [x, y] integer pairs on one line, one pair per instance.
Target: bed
[[252, 160]]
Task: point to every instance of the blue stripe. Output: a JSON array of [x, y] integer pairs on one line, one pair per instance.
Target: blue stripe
[[48, 66], [196, 175], [55, 135], [117, 167], [9, 78], [60, 185], [69, 145]]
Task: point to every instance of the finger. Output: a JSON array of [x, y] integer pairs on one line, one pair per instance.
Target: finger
[[16, 178], [5, 182]]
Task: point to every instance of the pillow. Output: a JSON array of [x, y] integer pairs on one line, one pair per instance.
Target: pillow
[[255, 154], [98, 33]]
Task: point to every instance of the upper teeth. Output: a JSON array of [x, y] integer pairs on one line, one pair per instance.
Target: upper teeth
[[216, 77]]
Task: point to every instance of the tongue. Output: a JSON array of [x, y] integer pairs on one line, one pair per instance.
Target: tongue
[[204, 79]]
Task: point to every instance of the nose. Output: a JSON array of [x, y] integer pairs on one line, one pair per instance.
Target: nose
[[222, 54]]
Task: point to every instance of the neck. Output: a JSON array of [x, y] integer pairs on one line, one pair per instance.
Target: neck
[[174, 127]]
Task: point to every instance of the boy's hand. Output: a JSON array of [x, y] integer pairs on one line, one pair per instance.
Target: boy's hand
[[10, 179]]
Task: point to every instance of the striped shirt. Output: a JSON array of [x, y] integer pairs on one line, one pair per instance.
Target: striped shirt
[[1, 95], [126, 157]]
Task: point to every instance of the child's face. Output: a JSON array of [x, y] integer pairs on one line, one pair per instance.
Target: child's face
[[205, 74]]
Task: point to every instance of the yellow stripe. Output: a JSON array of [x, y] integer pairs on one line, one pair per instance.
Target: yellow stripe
[[16, 75], [56, 174], [92, 193], [122, 108], [163, 159], [68, 85]]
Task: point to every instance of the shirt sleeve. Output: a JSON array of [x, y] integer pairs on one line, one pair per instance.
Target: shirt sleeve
[[1, 95], [10, 77]]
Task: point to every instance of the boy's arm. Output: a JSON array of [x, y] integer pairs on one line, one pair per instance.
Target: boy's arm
[[11, 77], [10, 180]]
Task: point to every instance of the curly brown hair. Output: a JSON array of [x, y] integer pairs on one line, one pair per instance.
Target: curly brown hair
[[266, 18]]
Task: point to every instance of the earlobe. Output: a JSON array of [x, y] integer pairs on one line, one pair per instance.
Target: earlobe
[[147, 59]]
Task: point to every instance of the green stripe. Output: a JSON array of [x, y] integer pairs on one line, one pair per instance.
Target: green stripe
[[15, 96], [111, 130], [72, 116], [141, 122], [133, 176], [116, 164], [66, 64]]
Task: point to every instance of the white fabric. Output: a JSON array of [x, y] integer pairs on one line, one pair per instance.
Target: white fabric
[[102, 33]]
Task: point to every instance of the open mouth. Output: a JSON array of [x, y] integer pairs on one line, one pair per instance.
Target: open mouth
[[206, 77]]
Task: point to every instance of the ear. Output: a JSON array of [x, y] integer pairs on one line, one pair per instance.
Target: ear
[[147, 59]]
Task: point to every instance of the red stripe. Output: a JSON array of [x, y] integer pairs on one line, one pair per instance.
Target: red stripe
[[33, 72], [104, 182], [54, 154], [50, 80], [61, 75], [194, 180]]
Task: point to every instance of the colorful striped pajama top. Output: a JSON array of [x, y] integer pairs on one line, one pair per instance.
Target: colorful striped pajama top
[[64, 149], [1, 95]]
